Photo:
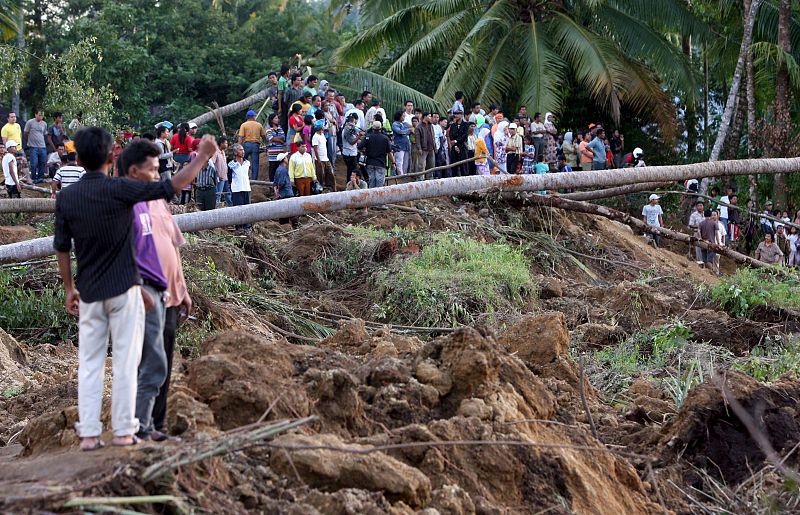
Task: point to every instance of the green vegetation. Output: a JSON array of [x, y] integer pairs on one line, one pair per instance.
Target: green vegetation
[[191, 335], [11, 392], [211, 281], [772, 360], [642, 352], [747, 288], [454, 280], [33, 310]]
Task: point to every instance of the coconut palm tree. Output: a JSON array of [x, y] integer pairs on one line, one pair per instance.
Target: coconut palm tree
[[525, 51]]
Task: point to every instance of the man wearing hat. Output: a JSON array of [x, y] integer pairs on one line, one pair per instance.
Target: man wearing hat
[[10, 170], [652, 214], [251, 134], [513, 148], [320, 144]]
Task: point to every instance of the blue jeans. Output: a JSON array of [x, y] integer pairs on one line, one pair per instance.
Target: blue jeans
[[251, 154], [331, 150], [38, 158], [223, 186], [153, 365]]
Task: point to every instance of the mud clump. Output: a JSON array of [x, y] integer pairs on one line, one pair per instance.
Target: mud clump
[[708, 434], [331, 470]]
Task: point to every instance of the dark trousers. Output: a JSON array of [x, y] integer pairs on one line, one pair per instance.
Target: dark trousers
[[251, 153], [273, 167], [186, 196], [206, 199], [13, 191], [455, 157], [241, 198], [160, 405], [511, 163]]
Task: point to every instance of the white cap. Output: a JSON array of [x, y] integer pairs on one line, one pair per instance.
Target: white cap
[[654, 197], [282, 156], [192, 125], [512, 126], [637, 152], [376, 124], [11, 143]]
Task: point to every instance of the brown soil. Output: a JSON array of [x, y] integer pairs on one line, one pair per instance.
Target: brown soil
[[377, 388]]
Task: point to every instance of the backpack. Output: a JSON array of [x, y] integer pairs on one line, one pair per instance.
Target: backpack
[[207, 178]]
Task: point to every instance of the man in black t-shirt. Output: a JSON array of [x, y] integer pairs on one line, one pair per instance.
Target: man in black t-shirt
[[97, 213]]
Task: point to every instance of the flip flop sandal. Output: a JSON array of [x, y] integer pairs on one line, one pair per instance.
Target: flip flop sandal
[[135, 440], [98, 444]]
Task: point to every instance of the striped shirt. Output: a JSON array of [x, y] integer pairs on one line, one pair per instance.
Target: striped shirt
[[68, 174], [97, 212], [275, 148]]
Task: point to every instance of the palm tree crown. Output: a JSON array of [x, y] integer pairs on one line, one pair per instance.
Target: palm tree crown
[[526, 51]]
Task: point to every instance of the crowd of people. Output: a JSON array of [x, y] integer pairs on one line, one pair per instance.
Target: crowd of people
[[770, 236]]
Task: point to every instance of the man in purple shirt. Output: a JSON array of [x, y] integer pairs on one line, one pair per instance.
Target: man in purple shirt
[[153, 365]]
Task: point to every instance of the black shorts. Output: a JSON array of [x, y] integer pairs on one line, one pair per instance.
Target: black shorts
[[13, 191]]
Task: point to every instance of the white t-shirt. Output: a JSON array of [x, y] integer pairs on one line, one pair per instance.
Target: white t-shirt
[[437, 135], [652, 212], [723, 210], [721, 234], [407, 118], [6, 171], [360, 114], [320, 145], [241, 176]]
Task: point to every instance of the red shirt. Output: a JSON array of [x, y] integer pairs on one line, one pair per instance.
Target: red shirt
[[181, 148]]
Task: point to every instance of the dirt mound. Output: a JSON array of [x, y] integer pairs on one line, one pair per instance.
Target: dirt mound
[[636, 305], [708, 434], [13, 357], [15, 233], [227, 259], [739, 335]]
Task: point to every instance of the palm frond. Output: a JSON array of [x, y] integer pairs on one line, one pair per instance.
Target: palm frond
[[769, 57], [396, 29], [543, 71], [644, 95], [642, 42], [672, 15], [766, 27], [497, 79], [390, 92], [441, 36], [594, 62]]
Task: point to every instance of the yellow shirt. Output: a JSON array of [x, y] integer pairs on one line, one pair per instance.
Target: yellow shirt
[[252, 132], [301, 166], [303, 107], [69, 146], [481, 150], [12, 132]]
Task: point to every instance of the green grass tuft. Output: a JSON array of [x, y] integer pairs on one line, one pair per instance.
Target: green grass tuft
[[747, 288], [454, 280]]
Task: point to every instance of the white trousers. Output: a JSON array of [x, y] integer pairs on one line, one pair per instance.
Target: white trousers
[[401, 161], [123, 317]]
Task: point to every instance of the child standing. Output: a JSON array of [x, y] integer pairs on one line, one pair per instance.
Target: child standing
[[541, 168], [529, 156]]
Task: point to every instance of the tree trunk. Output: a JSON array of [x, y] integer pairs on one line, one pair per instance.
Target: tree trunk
[[733, 94], [613, 192], [730, 149], [28, 205], [751, 122], [357, 199], [636, 223], [230, 109], [17, 79], [690, 113], [705, 97], [780, 138]]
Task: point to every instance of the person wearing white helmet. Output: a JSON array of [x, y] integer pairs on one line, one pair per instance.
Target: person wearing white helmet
[[652, 214], [10, 170], [634, 159]]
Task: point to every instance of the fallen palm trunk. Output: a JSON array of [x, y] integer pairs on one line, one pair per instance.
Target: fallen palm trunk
[[418, 190], [28, 205], [230, 109], [729, 206], [619, 216], [613, 192], [31, 187]]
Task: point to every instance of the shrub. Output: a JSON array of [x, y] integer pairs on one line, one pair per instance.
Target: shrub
[[769, 362], [33, 312], [454, 280], [747, 288]]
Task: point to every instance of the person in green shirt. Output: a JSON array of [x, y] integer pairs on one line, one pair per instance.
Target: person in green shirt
[[311, 85]]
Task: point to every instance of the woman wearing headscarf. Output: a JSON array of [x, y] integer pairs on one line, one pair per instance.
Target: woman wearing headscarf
[[570, 150], [550, 147], [482, 152], [500, 139]]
